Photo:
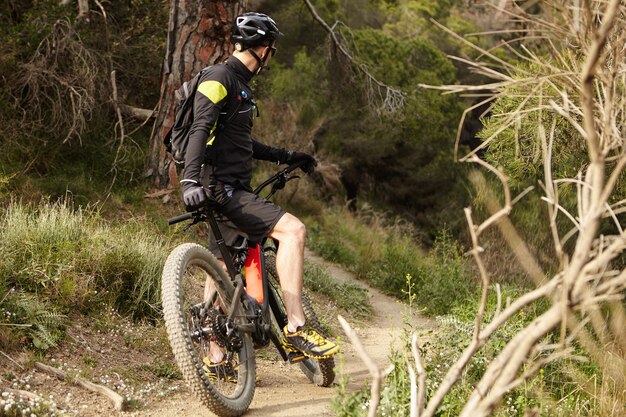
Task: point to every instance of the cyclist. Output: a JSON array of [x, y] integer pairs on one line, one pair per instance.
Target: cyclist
[[218, 165]]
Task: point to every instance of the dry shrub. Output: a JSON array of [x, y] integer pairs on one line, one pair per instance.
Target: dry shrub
[[57, 87], [570, 70]]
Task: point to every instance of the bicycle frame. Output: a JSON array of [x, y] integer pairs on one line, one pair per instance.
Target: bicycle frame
[[236, 296]]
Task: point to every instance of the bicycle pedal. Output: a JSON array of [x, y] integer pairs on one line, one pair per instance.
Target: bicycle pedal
[[295, 357]]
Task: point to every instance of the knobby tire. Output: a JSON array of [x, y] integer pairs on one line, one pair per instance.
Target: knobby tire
[[225, 402]]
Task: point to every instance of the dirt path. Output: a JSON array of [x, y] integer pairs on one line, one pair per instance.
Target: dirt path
[[135, 361], [282, 390]]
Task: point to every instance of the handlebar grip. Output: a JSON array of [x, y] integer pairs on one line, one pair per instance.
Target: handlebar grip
[[180, 218], [295, 166]]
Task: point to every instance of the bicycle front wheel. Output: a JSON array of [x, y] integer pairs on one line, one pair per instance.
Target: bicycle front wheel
[[216, 362], [319, 371]]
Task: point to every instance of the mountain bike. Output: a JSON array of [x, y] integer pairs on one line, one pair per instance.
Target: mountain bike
[[212, 311]]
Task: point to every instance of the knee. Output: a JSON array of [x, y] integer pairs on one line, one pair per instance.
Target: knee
[[298, 231], [290, 228]]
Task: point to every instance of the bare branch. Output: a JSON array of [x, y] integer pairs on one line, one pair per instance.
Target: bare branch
[[587, 77], [510, 234], [498, 300], [478, 48], [392, 99], [414, 411], [462, 122], [507, 195], [483, 273], [377, 375], [114, 397], [420, 392], [59, 83], [83, 9], [136, 112], [585, 278], [578, 82], [503, 369], [11, 359], [120, 125], [499, 391], [454, 372]]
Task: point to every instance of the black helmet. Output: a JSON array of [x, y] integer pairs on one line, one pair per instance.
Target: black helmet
[[254, 29]]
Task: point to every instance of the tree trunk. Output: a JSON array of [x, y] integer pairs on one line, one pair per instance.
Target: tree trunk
[[198, 35]]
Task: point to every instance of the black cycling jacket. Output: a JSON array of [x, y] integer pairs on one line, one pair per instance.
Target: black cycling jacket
[[221, 134]]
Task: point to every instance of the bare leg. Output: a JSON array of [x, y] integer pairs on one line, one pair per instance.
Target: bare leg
[[291, 233]]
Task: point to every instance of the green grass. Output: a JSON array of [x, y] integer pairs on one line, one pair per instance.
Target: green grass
[[384, 255], [347, 296], [64, 260]]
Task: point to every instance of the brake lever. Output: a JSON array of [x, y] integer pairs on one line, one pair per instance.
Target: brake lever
[[195, 221], [280, 183]]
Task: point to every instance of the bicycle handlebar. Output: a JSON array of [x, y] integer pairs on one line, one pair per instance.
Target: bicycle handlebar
[[280, 174], [181, 218]]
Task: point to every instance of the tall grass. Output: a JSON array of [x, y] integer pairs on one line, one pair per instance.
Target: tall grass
[[385, 253], [76, 261], [345, 295]]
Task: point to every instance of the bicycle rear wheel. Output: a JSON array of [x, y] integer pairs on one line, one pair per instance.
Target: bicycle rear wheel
[[196, 299], [319, 371]]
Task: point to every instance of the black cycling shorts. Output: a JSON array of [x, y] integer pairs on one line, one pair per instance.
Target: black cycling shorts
[[241, 212]]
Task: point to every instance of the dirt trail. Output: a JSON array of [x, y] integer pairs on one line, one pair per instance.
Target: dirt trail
[[116, 351], [282, 390]]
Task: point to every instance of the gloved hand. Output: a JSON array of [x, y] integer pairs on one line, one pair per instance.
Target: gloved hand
[[194, 196], [308, 167]]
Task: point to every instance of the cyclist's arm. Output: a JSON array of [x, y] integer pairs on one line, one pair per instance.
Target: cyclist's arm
[[269, 153], [209, 100]]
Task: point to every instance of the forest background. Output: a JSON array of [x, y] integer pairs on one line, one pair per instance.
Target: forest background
[[387, 201]]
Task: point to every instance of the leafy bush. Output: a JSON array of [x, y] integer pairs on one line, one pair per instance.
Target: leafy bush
[[349, 404], [338, 236], [301, 85], [58, 129], [450, 281], [401, 159]]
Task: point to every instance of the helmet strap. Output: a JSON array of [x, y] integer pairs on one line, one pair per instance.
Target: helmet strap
[[260, 61]]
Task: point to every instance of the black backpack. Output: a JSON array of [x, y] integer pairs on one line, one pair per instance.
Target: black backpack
[[177, 137]]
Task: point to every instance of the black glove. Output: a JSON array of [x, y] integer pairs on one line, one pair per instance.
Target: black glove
[[308, 167], [194, 196]]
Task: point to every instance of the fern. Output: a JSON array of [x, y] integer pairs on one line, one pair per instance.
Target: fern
[[34, 319], [49, 319], [47, 329]]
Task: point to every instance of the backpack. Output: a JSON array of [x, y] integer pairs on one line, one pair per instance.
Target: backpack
[[177, 138]]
